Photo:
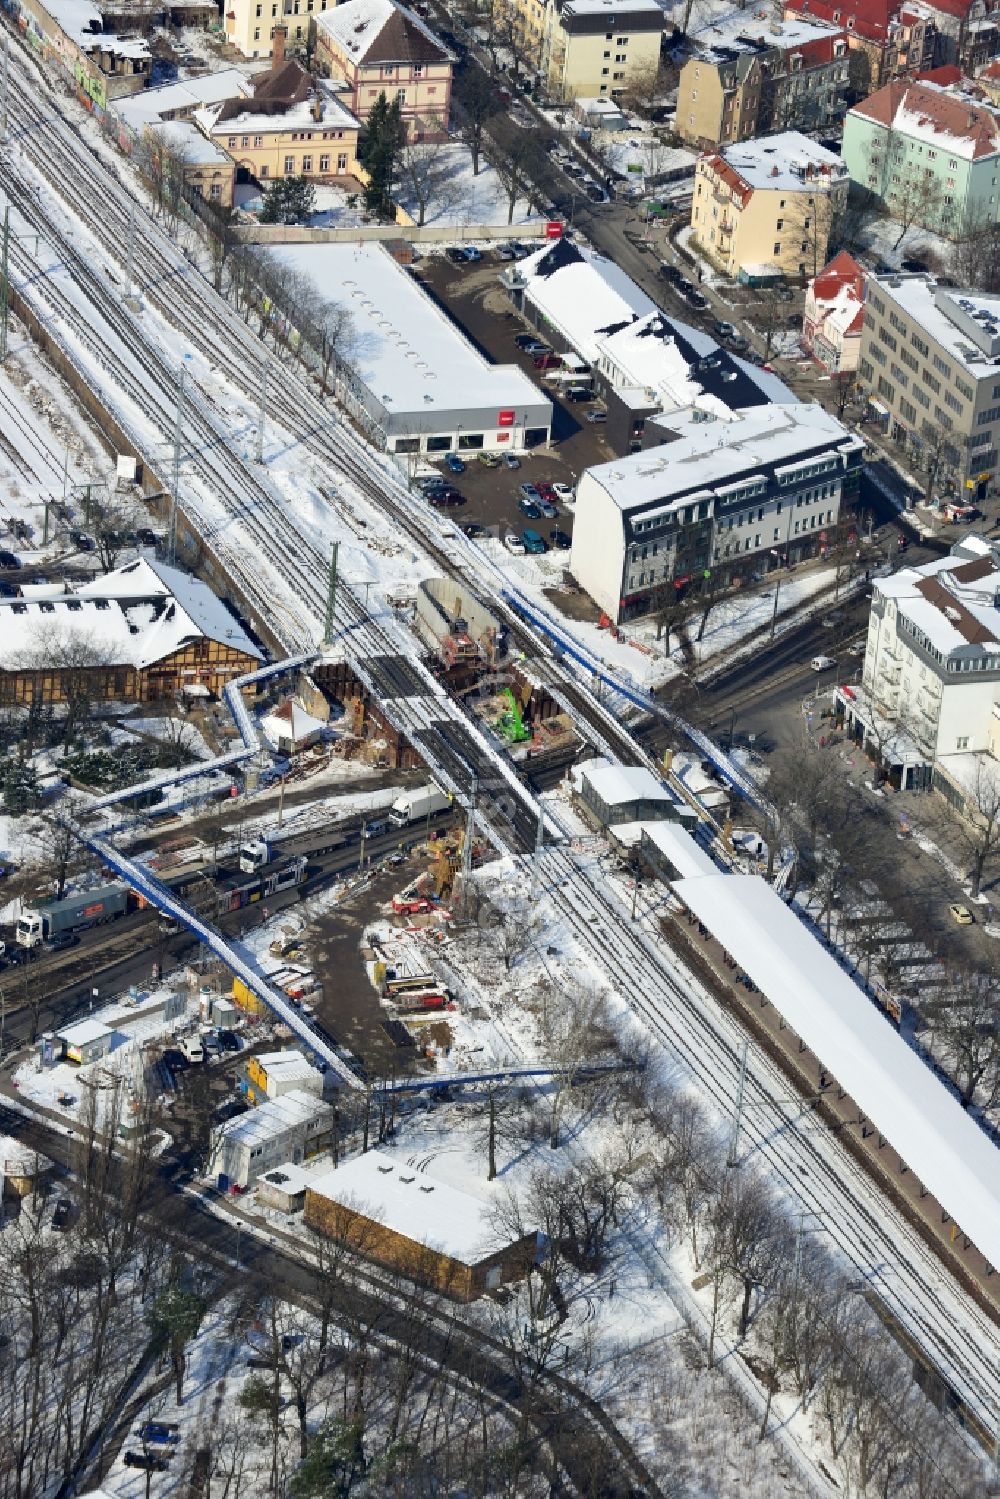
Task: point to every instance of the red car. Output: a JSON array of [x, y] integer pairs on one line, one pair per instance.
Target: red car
[[546, 492]]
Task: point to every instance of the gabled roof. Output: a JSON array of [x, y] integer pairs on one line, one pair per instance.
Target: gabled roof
[[926, 112], [866, 18], [274, 92], [380, 32]]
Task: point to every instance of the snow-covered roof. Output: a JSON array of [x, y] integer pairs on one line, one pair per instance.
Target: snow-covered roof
[[138, 614], [290, 721], [617, 784], [282, 1065], [413, 1204], [262, 1123], [612, 8], [178, 99], [894, 1089], [407, 352], [194, 147], [225, 119], [83, 23], [84, 1032], [582, 293], [711, 453], [379, 31], [965, 323], [746, 30], [288, 1177], [951, 600], [20, 1159], [788, 162], [677, 845], [934, 115]]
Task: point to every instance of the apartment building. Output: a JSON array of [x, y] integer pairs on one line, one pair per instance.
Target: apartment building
[[929, 697], [250, 24], [930, 366], [370, 47], [293, 125], [932, 150], [886, 40], [748, 78], [834, 315], [764, 209], [760, 490], [168, 113], [593, 49]]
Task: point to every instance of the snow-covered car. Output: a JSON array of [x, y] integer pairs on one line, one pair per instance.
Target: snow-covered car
[[514, 544], [564, 492]]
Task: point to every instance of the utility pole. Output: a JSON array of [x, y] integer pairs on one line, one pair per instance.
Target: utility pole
[[331, 595], [175, 487], [3, 89], [470, 833], [731, 1159], [261, 413], [536, 862], [5, 254]]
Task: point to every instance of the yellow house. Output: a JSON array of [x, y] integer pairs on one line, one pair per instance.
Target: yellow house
[[294, 125], [591, 49], [250, 24], [376, 46], [764, 209]]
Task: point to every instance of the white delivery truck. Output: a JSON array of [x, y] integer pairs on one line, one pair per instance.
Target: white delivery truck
[[413, 805]]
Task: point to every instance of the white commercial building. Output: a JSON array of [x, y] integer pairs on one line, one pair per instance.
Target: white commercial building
[[411, 377], [756, 491], [623, 793], [642, 363], [930, 688]]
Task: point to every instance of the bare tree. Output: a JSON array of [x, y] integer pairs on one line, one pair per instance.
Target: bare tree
[[977, 826], [425, 177], [519, 161], [966, 1024], [78, 665], [476, 102]]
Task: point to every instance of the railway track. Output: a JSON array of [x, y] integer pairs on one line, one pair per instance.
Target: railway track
[[230, 489]]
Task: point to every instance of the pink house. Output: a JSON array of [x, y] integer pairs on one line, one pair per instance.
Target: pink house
[[376, 46], [834, 312]]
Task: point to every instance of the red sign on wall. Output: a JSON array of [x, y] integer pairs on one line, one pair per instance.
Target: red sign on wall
[[505, 418], [503, 437], [553, 229]]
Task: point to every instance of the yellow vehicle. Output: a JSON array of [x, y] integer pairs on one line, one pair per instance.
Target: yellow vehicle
[[961, 914]]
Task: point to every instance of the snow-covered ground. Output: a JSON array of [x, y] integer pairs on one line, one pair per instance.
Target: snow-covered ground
[[456, 195]]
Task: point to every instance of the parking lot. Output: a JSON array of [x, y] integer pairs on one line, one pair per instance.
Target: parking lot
[[473, 298]]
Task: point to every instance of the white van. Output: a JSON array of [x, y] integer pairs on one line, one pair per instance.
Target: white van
[[192, 1048], [822, 663]]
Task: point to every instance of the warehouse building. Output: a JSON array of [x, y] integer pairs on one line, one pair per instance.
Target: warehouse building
[[142, 633], [412, 379], [290, 1128], [724, 499], [434, 1233]]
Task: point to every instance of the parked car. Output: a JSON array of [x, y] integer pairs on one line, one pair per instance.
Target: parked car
[[722, 329], [529, 492], [752, 357], [683, 285], [145, 536], [488, 460], [549, 510], [8, 559], [545, 490], [525, 341], [62, 1214], [150, 1462], [163, 1433], [504, 251], [579, 393], [454, 463], [533, 542], [521, 251], [473, 529], [697, 298], [530, 509], [561, 540], [672, 273], [511, 460], [456, 255], [961, 914], [472, 254], [230, 1041], [822, 663], [81, 540], [564, 492], [443, 499], [739, 343], [597, 415], [514, 544]]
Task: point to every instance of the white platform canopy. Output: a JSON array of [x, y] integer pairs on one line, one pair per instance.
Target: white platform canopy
[[897, 1093]]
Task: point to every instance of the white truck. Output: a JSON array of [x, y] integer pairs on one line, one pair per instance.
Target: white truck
[[193, 1049], [413, 805]]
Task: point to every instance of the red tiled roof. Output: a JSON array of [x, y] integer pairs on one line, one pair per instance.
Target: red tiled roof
[[730, 177], [843, 270], [870, 18], [959, 8], [945, 75], [945, 113]]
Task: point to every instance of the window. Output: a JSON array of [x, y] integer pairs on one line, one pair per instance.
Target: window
[[244, 141], [388, 71], [258, 141], [289, 165], [620, 57], [231, 143], [265, 171], [216, 191], [324, 163], [401, 96], [777, 248], [342, 161], [962, 742], [307, 163], [259, 11], [418, 70], [780, 224], [606, 56], [621, 41], [604, 74], [618, 75]]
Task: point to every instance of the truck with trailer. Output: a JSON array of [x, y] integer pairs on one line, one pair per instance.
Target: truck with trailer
[[424, 801], [73, 914]]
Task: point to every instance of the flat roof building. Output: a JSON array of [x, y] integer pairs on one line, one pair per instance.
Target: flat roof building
[[85, 1042], [928, 363], [270, 1074], [290, 1128], [760, 489], [435, 1233], [409, 375], [623, 793]]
